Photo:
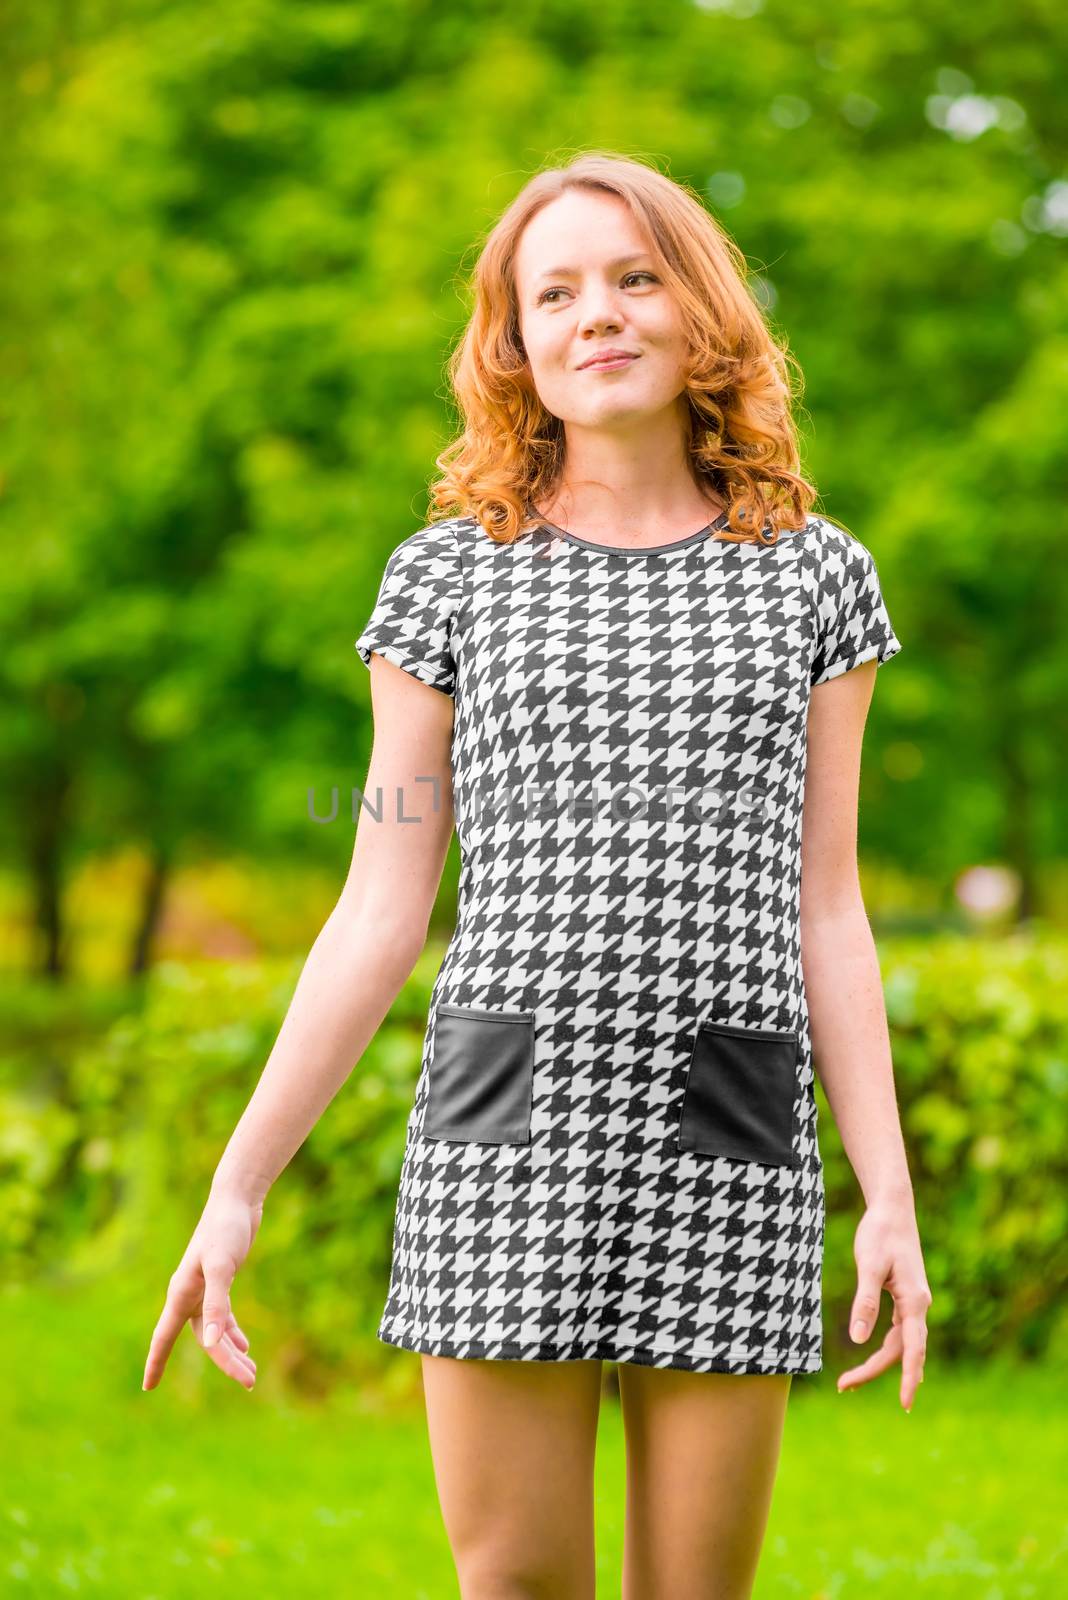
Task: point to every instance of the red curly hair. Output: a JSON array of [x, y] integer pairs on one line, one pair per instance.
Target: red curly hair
[[742, 439]]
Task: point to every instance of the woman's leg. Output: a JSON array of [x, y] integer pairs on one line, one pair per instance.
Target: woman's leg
[[702, 1453], [513, 1446]]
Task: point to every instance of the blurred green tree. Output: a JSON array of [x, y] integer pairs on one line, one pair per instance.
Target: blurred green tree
[[233, 239]]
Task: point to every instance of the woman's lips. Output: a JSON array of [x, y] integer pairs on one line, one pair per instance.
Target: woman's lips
[[610, 366]]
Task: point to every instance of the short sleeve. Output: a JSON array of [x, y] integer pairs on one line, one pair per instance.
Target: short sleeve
[[412, 620], [852, 622]]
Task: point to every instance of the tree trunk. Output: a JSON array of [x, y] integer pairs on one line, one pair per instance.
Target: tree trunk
[[46, 799], [151, 909]]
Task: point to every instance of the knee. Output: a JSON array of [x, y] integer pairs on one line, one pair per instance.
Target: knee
[[504, 1578]]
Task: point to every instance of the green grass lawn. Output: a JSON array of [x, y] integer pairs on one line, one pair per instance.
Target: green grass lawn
[[199, 1488]]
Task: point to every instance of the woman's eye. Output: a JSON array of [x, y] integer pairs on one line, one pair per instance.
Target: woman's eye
[[543, 298]]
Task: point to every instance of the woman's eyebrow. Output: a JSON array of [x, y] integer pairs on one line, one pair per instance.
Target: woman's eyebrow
[[571, 272]]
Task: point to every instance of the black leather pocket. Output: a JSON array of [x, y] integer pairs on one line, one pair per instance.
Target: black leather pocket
[[481, 1075], [739, 1096]]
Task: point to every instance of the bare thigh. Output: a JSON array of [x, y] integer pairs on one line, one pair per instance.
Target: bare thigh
[[513, 1445], [702, 1454]]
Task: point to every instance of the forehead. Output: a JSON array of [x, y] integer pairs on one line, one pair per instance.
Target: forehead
[[582, 229]]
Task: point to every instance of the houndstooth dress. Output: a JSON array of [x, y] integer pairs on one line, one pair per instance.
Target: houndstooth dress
[[612, 1149]]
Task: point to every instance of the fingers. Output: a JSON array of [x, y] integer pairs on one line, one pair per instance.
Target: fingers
[[217, 1321], [913, 1314], [906, 1340], [229, 1359], [215, 1315], [230, 1354], [199, 1293], [172, 1320], [862, 1318], [865, 1309], [238, 1337], [879, 1360], [243, 1359]]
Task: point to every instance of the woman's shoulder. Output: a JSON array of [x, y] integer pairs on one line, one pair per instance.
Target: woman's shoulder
[[447, 539], [830, 554], [822, 534], [439, 539]]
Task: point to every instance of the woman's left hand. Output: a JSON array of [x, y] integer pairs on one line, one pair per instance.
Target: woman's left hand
[[888, 1255]]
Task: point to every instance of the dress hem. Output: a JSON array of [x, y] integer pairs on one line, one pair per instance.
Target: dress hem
[[602, 1350]]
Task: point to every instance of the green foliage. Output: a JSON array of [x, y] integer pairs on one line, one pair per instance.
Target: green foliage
[[108, 1151], [233, 239], [981, 1063], [62, 1124], [981, 1067]]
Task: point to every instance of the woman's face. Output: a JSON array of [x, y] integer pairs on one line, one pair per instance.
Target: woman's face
[[586, 283]]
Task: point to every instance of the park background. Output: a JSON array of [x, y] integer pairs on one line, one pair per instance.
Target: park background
[[234, 242]]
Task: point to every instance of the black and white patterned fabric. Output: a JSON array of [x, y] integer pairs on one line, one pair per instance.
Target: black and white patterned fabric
[[612, 1148]]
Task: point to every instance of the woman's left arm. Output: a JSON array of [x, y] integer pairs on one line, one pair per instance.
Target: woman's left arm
[[850, 1037]]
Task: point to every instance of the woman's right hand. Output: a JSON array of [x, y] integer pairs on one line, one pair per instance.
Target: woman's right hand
[[199, 1291]]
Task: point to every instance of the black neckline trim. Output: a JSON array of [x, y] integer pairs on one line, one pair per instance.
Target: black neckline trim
[[638, 550]]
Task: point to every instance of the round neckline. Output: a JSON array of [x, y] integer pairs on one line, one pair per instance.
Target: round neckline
[[638, 550]]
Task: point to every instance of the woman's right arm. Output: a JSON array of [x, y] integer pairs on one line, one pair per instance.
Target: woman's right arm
[[360, 960]]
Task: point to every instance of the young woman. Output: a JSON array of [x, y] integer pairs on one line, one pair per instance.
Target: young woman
[[633, 672]]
